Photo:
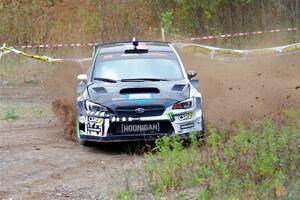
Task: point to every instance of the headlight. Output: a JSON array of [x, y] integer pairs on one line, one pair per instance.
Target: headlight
[[90, 106], [186, 104]]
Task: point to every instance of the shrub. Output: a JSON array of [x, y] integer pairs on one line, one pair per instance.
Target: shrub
[[252, 163]]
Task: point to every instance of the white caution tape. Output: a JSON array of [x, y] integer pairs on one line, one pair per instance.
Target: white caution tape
[[241, 34], [3, 51], [55, 45], [215, 51], [91, 44]]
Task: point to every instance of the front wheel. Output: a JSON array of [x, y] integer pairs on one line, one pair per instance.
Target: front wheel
[[201, 134], [81, 142]]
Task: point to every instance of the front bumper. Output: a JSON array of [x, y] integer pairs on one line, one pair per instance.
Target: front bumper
[[98, 127]]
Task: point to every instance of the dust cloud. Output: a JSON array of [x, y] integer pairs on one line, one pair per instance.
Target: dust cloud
[[249, 89], [62, 88]]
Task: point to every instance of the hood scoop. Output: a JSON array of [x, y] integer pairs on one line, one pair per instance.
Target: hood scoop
[[178, 87], [100, 90], [139, 90]]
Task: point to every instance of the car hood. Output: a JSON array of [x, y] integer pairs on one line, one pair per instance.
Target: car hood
[[118, 94]]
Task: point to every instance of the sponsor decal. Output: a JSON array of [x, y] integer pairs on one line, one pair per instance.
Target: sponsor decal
[[186, 126], [185, 116], [108, 57], [92, 119], [127, 128], [94, 127], [129, 55], [155, 54], [99, 121], [171, 116], [95, 120], [95, 124]]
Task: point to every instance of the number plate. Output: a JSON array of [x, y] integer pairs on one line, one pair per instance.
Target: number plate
[[139, 96], [136, 128]]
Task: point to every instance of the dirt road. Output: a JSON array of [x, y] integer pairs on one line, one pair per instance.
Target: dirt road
[[38, 162]]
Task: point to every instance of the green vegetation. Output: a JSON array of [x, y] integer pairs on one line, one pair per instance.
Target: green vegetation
[[125, 195], [16, 70], [10, 113], [261, 162], [7, 70], [24, 112]]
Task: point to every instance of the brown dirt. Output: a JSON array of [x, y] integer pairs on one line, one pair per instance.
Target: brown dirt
[[66, 113]]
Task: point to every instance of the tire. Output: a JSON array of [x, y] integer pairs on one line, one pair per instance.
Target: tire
[[81, 142], [202, 133], [203, 126]]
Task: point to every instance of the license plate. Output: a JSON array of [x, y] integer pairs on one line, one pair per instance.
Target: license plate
[[136, 128], [139, 96]]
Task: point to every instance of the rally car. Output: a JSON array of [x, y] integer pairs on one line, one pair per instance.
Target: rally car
[[137, 90]]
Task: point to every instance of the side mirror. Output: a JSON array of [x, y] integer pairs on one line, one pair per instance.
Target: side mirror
[[82, 77], [82, 85], [191, 74]]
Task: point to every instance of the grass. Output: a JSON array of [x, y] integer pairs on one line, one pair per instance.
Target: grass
[[124, 195], [16, 70], [10, 114], [8, 70], [260, 162], [24, 112]]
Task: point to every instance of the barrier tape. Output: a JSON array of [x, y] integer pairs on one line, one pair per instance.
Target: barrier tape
[[54, 45], [215, 51], [241, 34], [212, 52], [190, 39], [5, 50]]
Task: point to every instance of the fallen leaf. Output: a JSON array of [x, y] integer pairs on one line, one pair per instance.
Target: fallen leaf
[[281, 192]]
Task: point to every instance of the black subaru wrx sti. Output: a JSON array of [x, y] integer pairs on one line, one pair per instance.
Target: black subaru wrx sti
[[137, 90]]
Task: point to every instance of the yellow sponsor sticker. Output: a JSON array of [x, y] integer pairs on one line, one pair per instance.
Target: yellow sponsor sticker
[[185, 116], [99, 121]]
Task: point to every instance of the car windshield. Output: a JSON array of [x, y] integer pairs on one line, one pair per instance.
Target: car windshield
[[147, 66]]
